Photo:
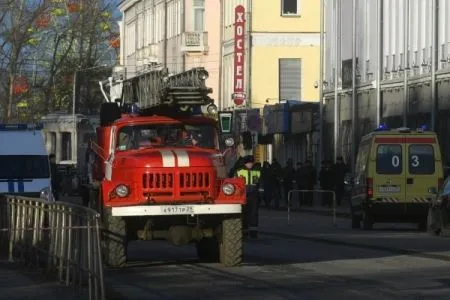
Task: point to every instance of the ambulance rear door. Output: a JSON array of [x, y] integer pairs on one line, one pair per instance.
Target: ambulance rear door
[[390, 164]]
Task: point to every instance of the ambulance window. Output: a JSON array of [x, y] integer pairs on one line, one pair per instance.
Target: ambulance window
[[421, 159], [389, 159]]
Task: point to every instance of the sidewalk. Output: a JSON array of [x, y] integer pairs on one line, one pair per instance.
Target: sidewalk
[[19, 283], [342, 211]]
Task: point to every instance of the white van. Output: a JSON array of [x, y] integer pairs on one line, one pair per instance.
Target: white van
[[24, 162]]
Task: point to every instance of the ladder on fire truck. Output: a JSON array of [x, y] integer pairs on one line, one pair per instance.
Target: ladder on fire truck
[[158, 89]]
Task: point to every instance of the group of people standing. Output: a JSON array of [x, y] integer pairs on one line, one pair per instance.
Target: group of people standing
[[277, 181]]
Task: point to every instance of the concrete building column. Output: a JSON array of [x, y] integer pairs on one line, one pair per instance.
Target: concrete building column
[[58, 146], [48, 142], [74, 144]]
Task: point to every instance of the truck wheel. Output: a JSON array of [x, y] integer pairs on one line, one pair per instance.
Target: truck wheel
[[367, 221], [208, 250], [231, 243], [114, 240]]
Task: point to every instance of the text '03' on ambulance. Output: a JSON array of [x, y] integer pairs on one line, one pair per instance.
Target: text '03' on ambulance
[[394, 172], [24, 162]]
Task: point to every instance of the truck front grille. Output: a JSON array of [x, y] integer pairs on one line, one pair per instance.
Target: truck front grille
[[157, 180], [193, 180]]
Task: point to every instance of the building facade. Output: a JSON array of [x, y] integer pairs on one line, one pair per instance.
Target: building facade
[[413, 67], [281, 51], [177, 34], [281, 65]]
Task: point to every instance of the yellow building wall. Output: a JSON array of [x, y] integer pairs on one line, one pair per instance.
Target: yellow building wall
[[264, 81], [267, 17]]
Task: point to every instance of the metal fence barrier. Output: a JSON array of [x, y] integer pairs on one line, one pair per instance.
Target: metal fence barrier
[[60, 238], [289, 200]]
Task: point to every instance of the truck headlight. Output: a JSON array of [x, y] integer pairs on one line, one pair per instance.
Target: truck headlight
[[121, 190], [46, 194], [228, 189]]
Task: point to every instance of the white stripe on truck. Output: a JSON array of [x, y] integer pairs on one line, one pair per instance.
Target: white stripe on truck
[[168, 158], [182, 158]]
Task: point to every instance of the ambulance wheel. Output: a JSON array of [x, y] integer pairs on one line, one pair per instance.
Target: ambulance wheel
[[356, 222], [208, 250], [231, 241], [432, 226], [367, 221], [114, 240]]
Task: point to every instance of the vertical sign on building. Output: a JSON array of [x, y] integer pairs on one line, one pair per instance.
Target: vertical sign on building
[[239, 48]]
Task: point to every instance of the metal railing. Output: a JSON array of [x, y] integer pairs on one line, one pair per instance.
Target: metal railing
[[289, 200], [60, 238]]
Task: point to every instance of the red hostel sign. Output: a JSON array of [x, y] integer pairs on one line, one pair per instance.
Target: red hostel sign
[[239, 41]]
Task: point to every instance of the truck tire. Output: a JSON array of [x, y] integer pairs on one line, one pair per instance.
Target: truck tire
[[231, 242], [208, 250], [114, 240]]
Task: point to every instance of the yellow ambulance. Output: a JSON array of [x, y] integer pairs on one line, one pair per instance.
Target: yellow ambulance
[[394, 172]]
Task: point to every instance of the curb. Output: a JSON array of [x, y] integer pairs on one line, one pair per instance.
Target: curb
[[360, 246], [329, 213]]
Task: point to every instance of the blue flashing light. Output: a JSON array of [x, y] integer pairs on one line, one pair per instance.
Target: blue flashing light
[[16, 127], [382, 127], [134, 108], [196, 110], [424, 127]]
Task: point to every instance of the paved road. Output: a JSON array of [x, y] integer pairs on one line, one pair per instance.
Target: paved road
[[311, 259]]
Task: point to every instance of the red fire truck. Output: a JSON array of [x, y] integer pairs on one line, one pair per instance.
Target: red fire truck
[[157, 173]]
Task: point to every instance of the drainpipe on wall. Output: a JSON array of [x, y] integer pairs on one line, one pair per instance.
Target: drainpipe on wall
[[249, 59], [219, 92], [183, 29], [165, 33]]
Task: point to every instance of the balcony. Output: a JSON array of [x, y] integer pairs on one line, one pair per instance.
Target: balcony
[[194, 42]]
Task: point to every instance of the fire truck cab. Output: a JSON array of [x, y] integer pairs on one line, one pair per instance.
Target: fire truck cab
[[158, 174]]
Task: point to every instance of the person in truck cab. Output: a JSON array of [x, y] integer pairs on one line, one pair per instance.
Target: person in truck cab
[[193, 139], [251, 177]]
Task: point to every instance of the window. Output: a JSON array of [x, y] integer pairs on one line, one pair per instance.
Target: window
[[290, 7], [389, 159], [421, 159], [24, 166], [199, 14], [173, 135], [290, 82]]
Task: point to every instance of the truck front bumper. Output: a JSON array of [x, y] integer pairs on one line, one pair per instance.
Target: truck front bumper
[[176, 210]]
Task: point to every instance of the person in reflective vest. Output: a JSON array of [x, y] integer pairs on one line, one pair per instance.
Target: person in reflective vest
[[251, 209]]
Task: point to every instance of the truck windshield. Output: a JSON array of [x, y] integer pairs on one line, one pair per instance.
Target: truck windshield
[[157, 135], [24, 167]]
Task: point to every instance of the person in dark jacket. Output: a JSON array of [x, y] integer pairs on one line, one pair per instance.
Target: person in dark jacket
[[327, 181], [252, 178], [308, 181], [55, 177], [277, 171], [339, 170], [288, 178], [267, 181], [299, 183]]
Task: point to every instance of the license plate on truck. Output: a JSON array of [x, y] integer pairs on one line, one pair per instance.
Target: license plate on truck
[[389, 189], [177, 210]]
